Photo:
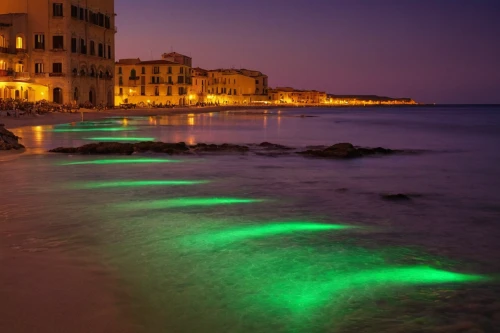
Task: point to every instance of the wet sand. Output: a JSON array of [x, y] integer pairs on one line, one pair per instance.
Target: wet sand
[[47, 291], [54, 118]]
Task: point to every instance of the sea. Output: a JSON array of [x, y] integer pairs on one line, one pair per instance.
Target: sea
[[245, 242]]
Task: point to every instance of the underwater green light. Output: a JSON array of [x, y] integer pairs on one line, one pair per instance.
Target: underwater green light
[[239, 234], [115, 139], [139, 183], [187, 202], [94, 129], [123, 161]]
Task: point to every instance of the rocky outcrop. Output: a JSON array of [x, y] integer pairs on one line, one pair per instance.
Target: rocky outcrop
[[273, 146], [396, 197], [347, 150], [8, 140], [143, 147]]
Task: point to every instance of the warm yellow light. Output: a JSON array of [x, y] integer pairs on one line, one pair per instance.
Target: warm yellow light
[[19, 42], [149, 101]]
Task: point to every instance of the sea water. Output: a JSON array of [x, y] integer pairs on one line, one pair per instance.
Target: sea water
[[248, 243]]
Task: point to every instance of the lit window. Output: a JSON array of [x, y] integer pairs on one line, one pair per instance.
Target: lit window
[[19, 42], [2, 41]]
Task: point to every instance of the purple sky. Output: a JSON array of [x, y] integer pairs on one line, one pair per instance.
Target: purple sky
[[435, 51]]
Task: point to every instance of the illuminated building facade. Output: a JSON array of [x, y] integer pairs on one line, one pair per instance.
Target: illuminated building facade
[[165, 81], [58, 50], [282, 95]]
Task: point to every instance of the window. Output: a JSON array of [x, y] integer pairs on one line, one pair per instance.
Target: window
[[181, 90], [109, 51], [121, 91], [83, 46], [182, 70], [57, 9], [256, 81], [101, 20], [76, 94], [120, 70], [120, 81], [180, 79], [170, 70], [101, 50], [169, 91], [57, 67], [39, 42], [2, 41], [133, 74], [143, 90], [73, 45], [19, 42], [38, 67], [157, 91], [82, 14], [3, 65], [170, 80], [107, 22], [92, 47], [74, 11], [156, 70], [58, 42], [86, 15], [143, 70]]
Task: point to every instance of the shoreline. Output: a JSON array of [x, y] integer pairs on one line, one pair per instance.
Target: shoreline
[[56, 118]]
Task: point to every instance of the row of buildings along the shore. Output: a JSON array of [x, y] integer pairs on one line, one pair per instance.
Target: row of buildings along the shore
[[63, 51]]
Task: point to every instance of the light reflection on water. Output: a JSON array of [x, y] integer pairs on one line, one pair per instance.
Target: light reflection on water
[[284, 281]]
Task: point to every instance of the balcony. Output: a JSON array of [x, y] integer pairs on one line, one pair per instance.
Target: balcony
[[133, 78], [56, 74], [5, 50], [20, 50], [21, 76]]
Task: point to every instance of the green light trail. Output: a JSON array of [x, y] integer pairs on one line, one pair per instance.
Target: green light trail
[[116, 139], [139, 183], [187, 202], [96, 129], [123, 161], [232, 235]]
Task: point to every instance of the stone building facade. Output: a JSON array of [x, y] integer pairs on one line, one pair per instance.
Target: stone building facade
[[165, 81], [64, 48]]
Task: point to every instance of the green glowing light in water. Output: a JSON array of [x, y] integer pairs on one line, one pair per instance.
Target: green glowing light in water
[[123, 161], [139, 183], [232, 235], [94, 129], [114, 139], [187, 202]]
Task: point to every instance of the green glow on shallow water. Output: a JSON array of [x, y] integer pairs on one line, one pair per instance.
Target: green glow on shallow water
[[93, 129], [232, 235], [139, 183], [123, 161], [115, 139], [187, 202]]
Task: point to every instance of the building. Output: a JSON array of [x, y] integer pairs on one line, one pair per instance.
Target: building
[[199, 87], [59, 50], [166, 81], [283, 95], [229, 86]]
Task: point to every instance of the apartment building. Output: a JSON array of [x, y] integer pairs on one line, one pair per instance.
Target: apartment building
[[295, 96], [164, 81], [58, 50]]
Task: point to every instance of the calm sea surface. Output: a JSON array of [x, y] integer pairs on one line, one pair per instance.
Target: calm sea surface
[[249, 243]]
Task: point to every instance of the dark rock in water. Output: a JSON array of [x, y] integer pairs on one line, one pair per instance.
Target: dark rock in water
[[148, 146], [342, 190], [396, 197], [273, 146], [225, 147], [8, 140], [347, 150], [101, 148]]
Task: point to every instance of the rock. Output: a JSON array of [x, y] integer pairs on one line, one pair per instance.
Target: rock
[[273, 146], [148, 146], [347, 150], [342, 190], [396, 197], [8, 140]]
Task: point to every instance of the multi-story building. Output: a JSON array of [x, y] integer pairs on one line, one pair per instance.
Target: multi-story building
[[291, 95], [199, 88], [229, 86], [165, 81], [59, 50]]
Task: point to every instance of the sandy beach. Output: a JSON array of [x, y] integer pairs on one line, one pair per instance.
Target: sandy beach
[[54, 118]]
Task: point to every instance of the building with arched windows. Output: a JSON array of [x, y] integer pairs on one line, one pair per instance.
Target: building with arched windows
[[58, 50]]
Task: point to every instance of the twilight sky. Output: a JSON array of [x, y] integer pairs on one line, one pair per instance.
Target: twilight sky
[[435, 51]]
